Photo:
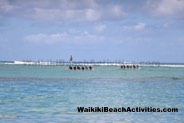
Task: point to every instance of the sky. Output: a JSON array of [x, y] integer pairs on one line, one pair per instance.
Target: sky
[[129, 30]]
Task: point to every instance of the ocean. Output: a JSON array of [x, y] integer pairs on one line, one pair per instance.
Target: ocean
[[39, 94]]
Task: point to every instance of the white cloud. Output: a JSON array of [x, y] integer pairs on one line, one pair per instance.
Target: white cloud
[[136, 27], [61, 10], [70, 37], [139, 26], [167, 8], [117, 11], [85, 37], [46, 38], [100, 27], [88, 10], [47, 14], [5, 7], [92, 14]]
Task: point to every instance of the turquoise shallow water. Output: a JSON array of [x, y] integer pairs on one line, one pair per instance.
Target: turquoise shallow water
[[52, 94]]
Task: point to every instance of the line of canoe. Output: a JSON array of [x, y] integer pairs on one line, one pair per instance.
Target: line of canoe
[[84, 67], [126, 66], [80, 68]]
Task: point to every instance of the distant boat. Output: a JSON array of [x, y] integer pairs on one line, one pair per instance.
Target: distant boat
[[71, 58]]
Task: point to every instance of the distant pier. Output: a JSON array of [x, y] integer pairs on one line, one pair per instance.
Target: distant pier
[[84, 65]]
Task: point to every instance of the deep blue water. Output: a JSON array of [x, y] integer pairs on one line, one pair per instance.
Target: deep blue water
[[30, 94]]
